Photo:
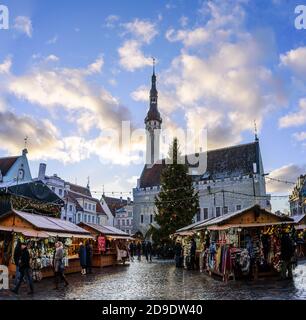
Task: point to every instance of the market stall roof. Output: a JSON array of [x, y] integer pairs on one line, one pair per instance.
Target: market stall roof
[[245, 225], [226, 218], [107, 230], [193, 225], [218, 221], [26, 232], [51, 226], [298, 218]]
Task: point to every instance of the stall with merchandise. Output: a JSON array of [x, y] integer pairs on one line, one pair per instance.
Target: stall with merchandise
[[300, 238], [110, 246], [242, 244], [42, 232]]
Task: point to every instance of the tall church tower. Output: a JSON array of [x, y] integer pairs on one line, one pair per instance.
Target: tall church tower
[[153, 123]]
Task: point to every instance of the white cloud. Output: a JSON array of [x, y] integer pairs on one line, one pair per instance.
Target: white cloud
[[300, 136], [131, 56], [52, 58], [295, 60], [69, 89], [5, 66], [224, 86], [188, 37], [23, 24], [184, 21], [142, 30], [111, 20], [289, 173], [294, 119], [43, 136], [53, 40]]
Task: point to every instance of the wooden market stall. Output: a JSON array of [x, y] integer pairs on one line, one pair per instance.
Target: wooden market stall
[[242, 243], [110, 246], [300, 226], [42, 232]]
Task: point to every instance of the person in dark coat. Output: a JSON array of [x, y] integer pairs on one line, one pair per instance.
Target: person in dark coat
[[193, 249], [132, 250], [149, 251], [24, 268], [17, 255], [287, 252], [89, 254], [82, 256], [178, 251], [138, 249]]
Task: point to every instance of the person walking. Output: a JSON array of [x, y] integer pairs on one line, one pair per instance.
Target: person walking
[[132, 250], [149, 251], [287, 251], [82, 256], [24, 268], [193, 249], [89, 255], [58, 265], [138, 249], [178, 250], [17, 255]]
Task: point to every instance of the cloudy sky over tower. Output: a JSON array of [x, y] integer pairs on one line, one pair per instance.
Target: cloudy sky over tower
[[72, 71]]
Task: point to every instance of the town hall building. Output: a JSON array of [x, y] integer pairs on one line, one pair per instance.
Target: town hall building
[[234, 178]]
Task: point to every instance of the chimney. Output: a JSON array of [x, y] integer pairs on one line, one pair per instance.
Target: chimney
[[24, 152], [42, 171], [128, 200]]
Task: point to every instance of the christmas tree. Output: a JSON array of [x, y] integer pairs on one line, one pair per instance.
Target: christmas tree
[[177, 202]]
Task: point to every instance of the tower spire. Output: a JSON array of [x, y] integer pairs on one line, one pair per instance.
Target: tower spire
[[153, 60], [255, 131]]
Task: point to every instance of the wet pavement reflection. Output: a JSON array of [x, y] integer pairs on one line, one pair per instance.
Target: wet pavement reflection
[[161, 280]]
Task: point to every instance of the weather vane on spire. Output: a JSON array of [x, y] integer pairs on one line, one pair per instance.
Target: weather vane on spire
[[255, 130], [26, 141], [153, 64]]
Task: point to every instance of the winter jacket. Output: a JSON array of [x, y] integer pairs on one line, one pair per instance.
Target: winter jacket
[[58, 259], [82, 256], [24, 261]]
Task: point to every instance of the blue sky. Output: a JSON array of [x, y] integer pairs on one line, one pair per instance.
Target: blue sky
[[70, 70]]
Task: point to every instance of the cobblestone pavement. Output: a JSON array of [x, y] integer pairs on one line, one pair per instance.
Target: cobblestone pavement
[[161, 280]]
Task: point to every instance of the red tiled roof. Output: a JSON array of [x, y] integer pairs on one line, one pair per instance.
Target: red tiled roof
[[114, 203], [6, 164], [79, 189]]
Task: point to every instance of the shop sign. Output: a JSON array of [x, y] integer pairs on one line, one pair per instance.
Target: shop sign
[[4, 277], [101, 244]]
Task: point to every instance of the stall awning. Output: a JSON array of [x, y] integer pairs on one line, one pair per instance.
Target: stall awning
[[68, 235], [185, 233], [300, 227], [249, 225], [120, 237], [26, 232]]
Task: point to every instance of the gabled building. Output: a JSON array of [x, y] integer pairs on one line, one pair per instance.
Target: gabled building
[[15, 170], [234, 178], [80, 205], [297, 199], [111, 205]]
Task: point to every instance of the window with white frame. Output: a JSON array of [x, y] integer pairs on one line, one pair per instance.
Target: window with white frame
[[225, 210], [238, 207]]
